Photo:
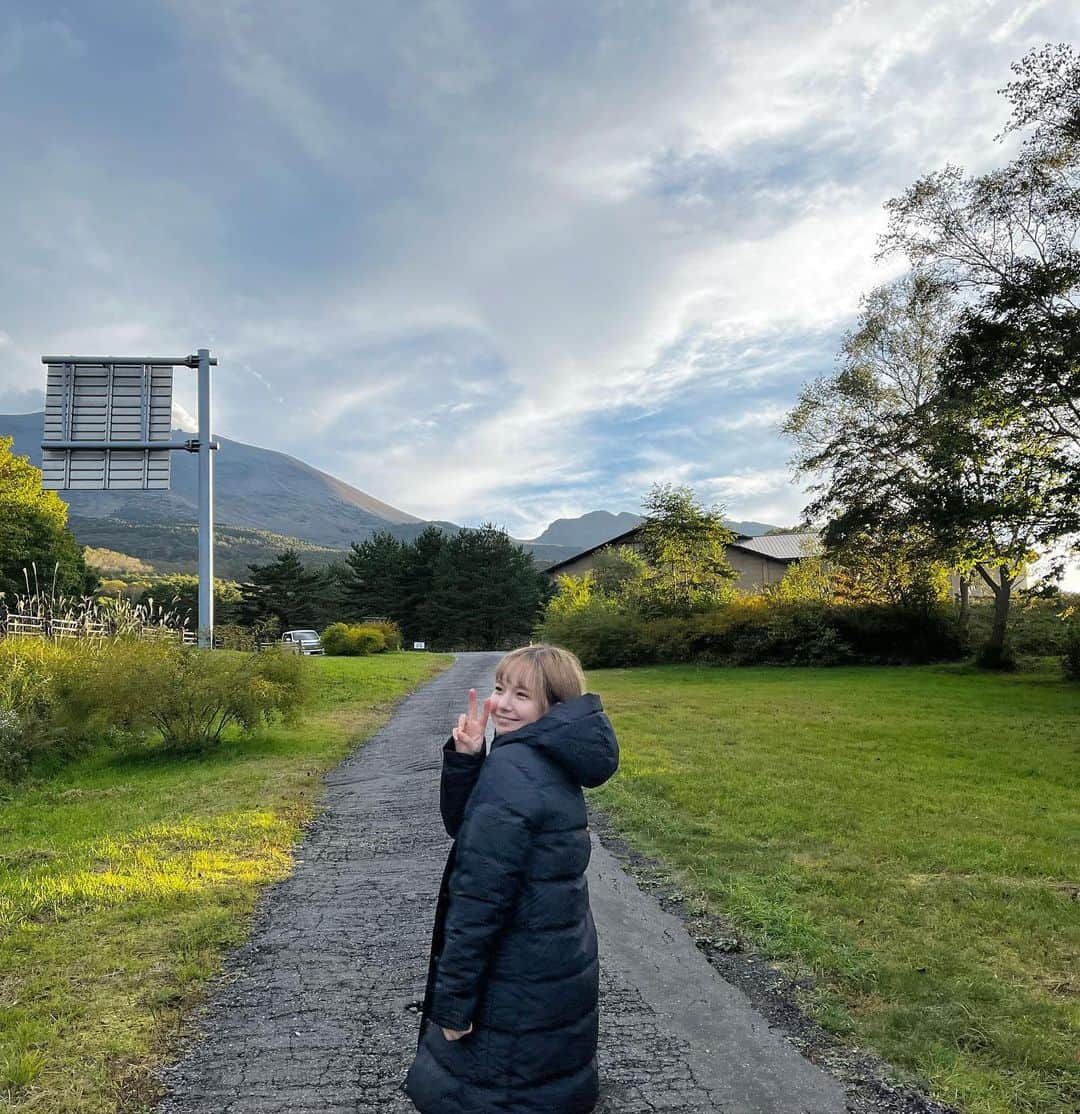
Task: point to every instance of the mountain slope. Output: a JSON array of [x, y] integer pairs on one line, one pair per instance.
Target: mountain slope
[[253, 487]]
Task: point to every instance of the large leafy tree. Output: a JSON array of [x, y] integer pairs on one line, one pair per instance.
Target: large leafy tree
[[684, 544], [907, 467], [865, 431], [34, 533], [1007, 242], [977, 458]]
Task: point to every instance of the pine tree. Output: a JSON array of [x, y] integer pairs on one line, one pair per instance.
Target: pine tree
[[283, 591]]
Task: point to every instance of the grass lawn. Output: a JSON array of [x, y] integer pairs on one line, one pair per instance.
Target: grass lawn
[[911, 836], [126, 875]]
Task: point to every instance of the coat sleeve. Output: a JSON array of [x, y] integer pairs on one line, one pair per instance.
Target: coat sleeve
[[459, 774], [491, 854]]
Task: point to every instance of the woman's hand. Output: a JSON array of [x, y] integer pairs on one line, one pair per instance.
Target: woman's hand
[[469, 733], [457, 1034]]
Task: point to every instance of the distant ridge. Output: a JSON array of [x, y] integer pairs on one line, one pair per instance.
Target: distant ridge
[[588, 530]]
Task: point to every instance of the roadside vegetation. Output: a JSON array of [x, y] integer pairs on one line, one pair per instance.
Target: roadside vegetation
[[906, 837], [673, 598], [129, 869]]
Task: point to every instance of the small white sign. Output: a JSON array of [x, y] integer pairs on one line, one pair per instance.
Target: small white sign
[[419, 645]]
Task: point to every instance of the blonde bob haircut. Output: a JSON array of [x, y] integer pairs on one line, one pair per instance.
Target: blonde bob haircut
[[550, 673]]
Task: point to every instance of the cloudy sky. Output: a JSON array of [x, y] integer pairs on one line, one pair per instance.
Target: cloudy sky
[[493, 260]]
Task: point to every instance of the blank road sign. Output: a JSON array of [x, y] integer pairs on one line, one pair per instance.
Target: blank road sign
[[107, 402]]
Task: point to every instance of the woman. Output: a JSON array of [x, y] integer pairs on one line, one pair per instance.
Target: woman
[[510, 1015]]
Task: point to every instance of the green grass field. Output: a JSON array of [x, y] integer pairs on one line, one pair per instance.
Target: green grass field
[[910, 836], [126, 875]]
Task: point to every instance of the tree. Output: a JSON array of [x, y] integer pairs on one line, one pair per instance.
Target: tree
[[619, 573], [913, 475], [283, 591], [485, 591], [1010, 379], [421, 560], [179, 594], [684, 544], [34, 533], [866, 431], [378, 571]]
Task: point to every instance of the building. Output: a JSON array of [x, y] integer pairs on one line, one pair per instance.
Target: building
[[757, 561]]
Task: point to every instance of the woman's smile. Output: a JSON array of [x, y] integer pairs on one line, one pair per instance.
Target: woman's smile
[[513, 705]]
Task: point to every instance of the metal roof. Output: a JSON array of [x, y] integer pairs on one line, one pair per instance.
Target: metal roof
[[780, 547]]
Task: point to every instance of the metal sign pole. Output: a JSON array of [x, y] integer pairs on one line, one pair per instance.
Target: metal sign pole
[[206, 507]]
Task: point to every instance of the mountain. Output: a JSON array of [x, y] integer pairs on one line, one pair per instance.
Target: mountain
[[255, 488], [587, 530], [597, 527]]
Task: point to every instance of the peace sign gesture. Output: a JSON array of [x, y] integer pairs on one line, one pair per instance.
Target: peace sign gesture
[[469, 733]]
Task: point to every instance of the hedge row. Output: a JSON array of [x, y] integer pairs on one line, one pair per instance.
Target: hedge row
[[757, 630]]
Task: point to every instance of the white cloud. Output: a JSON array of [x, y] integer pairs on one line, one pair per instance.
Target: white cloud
[[447, 251]]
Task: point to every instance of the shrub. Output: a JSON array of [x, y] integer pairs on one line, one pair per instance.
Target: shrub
[[991, 657], [599, 634], [341, 639], [390, 631], [755, 629], [29, 672], [190, 696], [1070, 654]]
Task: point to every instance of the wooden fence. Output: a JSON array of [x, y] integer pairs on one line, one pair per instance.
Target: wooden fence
[[42, 626]]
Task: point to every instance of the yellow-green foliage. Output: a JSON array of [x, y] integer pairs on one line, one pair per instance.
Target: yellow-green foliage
[[573, 594], [112, 561], [33, 675], [190, 696], [390, 631], [345, 640], [56, 694]]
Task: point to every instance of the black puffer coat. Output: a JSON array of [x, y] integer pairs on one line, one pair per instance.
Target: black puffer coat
[[514, 946]]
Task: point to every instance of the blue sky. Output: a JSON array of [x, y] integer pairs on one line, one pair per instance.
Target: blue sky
[[485, 260]]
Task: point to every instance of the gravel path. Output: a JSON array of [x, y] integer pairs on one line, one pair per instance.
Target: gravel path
[[317, 1011]]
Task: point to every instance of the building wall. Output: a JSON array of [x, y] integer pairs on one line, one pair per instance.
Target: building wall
[[754, 570]]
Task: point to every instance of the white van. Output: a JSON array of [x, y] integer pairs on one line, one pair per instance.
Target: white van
[[307, 641]]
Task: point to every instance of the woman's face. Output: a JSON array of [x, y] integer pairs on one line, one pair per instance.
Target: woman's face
[[513, 704]]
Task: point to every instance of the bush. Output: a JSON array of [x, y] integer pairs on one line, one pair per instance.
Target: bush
[[31, 673], [341, 639], [754, 629], [599, 634], [1070, 654], [991, 657], [390, 631], [190, 696]]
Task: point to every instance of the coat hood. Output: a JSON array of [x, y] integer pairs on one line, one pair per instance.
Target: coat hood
[[575, 734]]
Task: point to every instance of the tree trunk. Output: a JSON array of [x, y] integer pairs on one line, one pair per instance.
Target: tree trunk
[[1002, 589], [1002, 598], [965, 605]]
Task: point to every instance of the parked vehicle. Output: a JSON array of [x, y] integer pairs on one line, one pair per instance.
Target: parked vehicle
[[307, 641]]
